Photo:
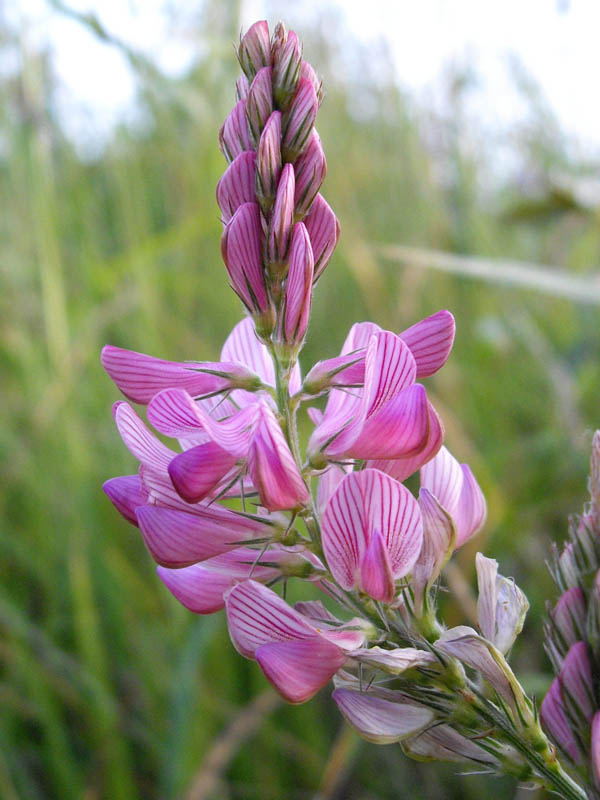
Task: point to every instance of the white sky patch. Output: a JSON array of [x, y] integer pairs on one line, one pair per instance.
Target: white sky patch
[[555, 41]]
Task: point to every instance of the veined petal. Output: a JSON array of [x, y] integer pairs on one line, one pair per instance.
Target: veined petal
[[394, 662], [569, 615], [443, 743], [272, 467], [439, 541], [430, 342], [555, 722], [595, 748], [298, 288], [237, 185], [177, 538], [310, 170], [359, 336], [576, 681], [257, 615], [126, 493], [234, 136], [376, 577], [328, 483], [443, 477], [487, 575], [324, 231], [472, 508], [197, 471], [298, 669], [200, 587], [364, 502], [389, 368], [140, 377], [241, 248], [138, 439], [174, 413], [378, 720], [401, 468], [400, 428]]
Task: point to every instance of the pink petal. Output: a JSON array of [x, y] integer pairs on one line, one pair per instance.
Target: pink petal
[[234, 136], [272, 467], [140, 377], [241, 248], [569, 615], [236, 187], [400, 428], [376, 577], [576, 680], [472, 508], [259, 103], [324, 231], [443, 477], [366, 501], [200, 587], [138, 439], [394, 662], [298, 669], [596, 746], [196, 472], [126, 493], [174, 413], [268, 161], [347, 370], [257, 615], [255, 48], [439, 539], [430, 342], [177, 538], [378, 720], [328, 483], [300, 118], [389, 368], [402, 468], [298, 287], [282, 217], [359, 336], [555, 722], [306, 71], [310, 170]]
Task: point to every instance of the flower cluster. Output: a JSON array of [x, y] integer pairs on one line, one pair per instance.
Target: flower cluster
[[235, 509], [570, 711]]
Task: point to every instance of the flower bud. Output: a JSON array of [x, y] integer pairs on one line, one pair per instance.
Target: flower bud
[[259, 104], [236, 187], [568, 616], [324, 231], [268, 162], [254, 51], [596, 746], [555, 722], [298, 288], [379, 720], [346, 371], [576, 683], [299, 120], [241, 247], [242, 87], [287, 62], [282, 219], [306, 71], [501, 606], [310, 169], [234, 136], [439, 541], [592, 627]]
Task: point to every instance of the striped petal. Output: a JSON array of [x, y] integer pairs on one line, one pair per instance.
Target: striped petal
[[298, 669], [310, 170], [555, 722], [394, 662], [237, 185], [376, 577], [241, 248], [595, 746], [430, 342], [234, 136], [365, 502], [176, 538], [257, 615], [472, 508], [576, 682], [324, 231], [381, 721], [140, 377], [139, 441], [439, 541], [126, 493], [272, 467], [389, 368]]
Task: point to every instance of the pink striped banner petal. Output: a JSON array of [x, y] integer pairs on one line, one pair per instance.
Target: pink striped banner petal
[[430, 342], [149, 450]]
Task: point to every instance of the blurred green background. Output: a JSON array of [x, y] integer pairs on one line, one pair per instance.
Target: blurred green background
[[110, 689]]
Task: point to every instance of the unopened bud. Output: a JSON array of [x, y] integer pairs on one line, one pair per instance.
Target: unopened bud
[[568, 616], [306, 71], [287, 62], [501, 607], [345, 371], [576, 683], [254, 51], [324, 231], [241, 247], [268, 162], [310, 169], [298, 289], [242, 87], [259, 104], [234, 136], [555, 722], [299, 120], [281, 220], [237, 185]]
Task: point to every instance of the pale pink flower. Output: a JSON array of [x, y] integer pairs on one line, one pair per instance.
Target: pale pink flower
[[254, 51]]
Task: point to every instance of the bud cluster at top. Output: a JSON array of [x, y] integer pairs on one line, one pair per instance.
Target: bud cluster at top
[[279, 231]]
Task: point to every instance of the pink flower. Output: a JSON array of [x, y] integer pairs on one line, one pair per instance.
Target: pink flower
[[299, 120], [555, 722], [298, 289], [234, 136], [324, 231], [372, 533], [254, 51], [297, 655], [389, 418], [310, 170], [268, 161], [259, 103], [236, 187]]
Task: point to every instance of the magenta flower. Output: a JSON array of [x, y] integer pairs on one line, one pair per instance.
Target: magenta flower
[[372, 533], [555, 722], [296, 654]]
